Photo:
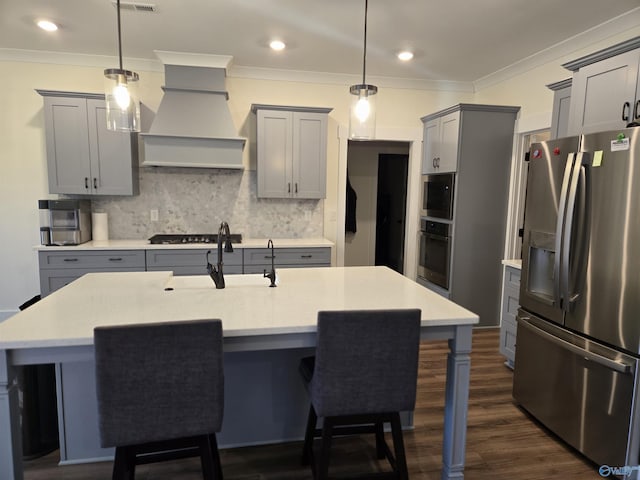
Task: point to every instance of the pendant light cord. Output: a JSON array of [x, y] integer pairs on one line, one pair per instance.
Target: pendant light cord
[[364, 57], [119, 35]]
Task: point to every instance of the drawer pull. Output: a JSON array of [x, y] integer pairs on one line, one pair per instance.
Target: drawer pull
[[115, 259], [306, 256], [71, 259], [269, 257]]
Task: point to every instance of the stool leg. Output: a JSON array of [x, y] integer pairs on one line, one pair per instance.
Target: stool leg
[[322, 467], [206, 457], [380, 452], [217, 466], [308, 436], [398, 447], [124, 464]]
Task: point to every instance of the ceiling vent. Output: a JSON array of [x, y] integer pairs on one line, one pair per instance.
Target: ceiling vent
[[136, 7]]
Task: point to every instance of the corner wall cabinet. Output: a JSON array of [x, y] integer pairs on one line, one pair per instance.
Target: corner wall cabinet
[[291, 151], [440, 143], [561, 108], [509, 310], [481, 156], [606, 89], [83, 156]]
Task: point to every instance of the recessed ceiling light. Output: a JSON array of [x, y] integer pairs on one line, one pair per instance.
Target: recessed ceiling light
[[47, 25], [405, 56], [277, 45]]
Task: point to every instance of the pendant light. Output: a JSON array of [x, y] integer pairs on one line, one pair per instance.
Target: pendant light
[[123, 105], [362, 118]]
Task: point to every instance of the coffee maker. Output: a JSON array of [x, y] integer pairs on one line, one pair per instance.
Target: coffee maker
[[64, 222]]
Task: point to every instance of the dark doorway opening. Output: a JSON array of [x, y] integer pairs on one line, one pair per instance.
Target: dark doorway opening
[[391, 210]]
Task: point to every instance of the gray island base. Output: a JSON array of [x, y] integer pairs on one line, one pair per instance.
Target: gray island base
[[266, 331]]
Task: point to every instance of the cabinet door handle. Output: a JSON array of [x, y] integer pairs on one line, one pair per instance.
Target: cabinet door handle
[[115, 259], [70, 259], [86, 183], [95, 183], [625, 111], [289, 187], [306, 256], [636, 111], [296, 187]]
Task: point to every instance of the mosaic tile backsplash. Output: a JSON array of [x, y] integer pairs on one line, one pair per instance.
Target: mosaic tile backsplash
[[194, 200]]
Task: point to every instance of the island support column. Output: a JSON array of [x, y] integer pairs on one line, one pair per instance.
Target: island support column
[[10, 433], [456, 403]]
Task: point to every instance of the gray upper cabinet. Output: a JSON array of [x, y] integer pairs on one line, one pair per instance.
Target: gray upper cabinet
[[561, 108], [291, 151], [83, 157], [606, 91], [440, 143]]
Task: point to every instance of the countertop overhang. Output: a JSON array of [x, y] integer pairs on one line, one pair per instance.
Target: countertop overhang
[[247, 306]]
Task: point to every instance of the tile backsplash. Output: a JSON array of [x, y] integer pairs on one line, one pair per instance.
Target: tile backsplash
[[191, 200]]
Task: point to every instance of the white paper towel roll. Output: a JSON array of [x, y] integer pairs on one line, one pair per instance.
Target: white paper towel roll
[[99, 226]]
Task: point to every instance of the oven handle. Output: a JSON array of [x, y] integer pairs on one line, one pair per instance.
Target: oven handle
[[432, 236], [587, 355]]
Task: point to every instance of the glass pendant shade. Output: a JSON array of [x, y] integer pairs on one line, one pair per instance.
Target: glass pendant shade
[[362, 118], [121, 97]]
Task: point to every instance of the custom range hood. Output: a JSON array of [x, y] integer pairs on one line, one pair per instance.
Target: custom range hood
[[193, 125]]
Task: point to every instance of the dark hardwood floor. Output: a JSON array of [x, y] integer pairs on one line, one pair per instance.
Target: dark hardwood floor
[[502, 441]]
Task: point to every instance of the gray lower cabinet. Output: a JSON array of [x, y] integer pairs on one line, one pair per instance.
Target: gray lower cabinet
[[192, 262], [83, 156], [509, 310], [257, 260], [58, 268]]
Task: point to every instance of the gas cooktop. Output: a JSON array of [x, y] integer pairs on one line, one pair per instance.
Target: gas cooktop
[[170, 239]]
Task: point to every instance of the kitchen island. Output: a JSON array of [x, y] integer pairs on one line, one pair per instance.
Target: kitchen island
[[266, 331]]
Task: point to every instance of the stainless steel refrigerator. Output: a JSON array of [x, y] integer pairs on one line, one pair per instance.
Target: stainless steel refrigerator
[[578, 339]]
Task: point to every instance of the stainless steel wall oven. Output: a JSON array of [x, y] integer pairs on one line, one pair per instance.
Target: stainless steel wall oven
[[435, 251]]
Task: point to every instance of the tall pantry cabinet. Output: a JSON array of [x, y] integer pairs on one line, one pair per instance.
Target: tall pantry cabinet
[[480, 155]]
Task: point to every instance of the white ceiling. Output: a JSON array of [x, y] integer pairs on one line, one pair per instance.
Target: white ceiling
[[453, 40]]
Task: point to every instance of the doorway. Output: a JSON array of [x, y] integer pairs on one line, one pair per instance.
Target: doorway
[[377, 171]]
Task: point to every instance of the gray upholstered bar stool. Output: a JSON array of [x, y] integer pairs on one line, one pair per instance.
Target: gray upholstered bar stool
[[160, 391], [363, 375]]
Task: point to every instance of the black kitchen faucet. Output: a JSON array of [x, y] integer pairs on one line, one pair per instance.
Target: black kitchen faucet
[[216, 273]]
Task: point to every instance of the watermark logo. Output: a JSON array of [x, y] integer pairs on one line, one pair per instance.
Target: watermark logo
[[606, 470]]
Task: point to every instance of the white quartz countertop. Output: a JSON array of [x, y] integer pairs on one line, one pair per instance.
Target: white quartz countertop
[[145, 245], [247, 306], [515, 263]]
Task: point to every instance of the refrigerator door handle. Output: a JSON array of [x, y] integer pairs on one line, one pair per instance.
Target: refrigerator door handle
[[587, 355], [562, 211], [568, 297]]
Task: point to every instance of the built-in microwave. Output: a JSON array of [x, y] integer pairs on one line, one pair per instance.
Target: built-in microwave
[[437, 195]]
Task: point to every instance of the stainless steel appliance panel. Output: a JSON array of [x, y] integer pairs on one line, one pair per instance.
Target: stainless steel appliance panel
[[605, 295], [549, 164], [580, 390], [434, 252], [437, 195]]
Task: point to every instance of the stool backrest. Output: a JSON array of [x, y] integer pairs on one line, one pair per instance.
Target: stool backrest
[[366, 361], [159, 381]]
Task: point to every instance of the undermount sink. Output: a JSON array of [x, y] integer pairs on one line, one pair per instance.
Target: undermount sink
[[205, 282]]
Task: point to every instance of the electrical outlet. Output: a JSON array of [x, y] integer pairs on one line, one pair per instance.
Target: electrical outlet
[[153, 214]]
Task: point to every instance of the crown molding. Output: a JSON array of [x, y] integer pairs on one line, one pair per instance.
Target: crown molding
[[303, 76], [614, 27], [81, 60]]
